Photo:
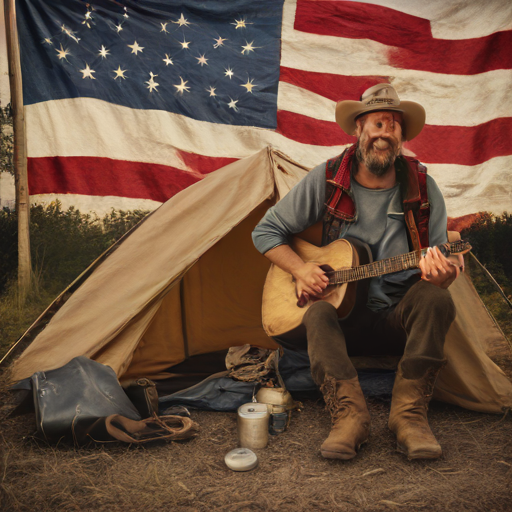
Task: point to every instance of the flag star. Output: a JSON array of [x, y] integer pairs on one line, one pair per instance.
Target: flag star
[[211, 90], [219, 42], [87, 72], [151, 83], [232, 104], [103, 52], [135, 47], [47, 40], [182, 87], [87, 19], [185, 44], [229, 73], [168, 60], [182, 21], [249, 47], [62, 53], [125, 15], [249, 85], [119, 28], [119, 73], [202, 60], [241, 23], [164, 27], [69, 32]]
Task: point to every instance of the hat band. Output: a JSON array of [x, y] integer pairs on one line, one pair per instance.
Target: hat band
[[387, 101]]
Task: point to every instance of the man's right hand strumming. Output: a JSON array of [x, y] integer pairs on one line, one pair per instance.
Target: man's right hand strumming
[[309, 277]]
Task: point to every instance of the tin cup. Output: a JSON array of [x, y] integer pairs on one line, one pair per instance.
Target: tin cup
[[278, 420]]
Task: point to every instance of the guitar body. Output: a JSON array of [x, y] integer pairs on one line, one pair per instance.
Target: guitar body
[[281, 315]]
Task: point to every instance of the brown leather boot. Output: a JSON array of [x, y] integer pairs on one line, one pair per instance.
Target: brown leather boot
[[350, 418], [408, 415]]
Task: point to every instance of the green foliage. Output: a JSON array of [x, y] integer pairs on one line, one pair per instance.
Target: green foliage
[[8, 246], [6, 141], [491, 238], [63, 243]]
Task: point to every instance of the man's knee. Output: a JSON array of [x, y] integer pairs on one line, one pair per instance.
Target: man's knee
[[320, 311], [437, 301]]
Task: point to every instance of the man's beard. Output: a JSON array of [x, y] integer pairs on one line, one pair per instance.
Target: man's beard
[[377, 163]]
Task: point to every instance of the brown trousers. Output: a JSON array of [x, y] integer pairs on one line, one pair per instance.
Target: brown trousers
[[415, 329]]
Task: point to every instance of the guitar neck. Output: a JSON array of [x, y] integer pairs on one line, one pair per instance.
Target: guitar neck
[[394, 264]]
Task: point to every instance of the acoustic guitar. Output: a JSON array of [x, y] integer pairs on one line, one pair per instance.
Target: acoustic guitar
[[345, 262]]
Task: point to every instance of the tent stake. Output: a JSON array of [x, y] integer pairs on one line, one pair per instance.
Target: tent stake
[[20, 153]]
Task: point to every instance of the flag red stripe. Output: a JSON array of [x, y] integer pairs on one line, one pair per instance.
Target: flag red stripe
[[106, 177], [333, 87], [308, 130], [204, 164], [464, 145], [409, 37], [435, 144]]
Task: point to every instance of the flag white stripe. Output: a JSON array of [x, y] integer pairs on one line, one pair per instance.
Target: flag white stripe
[[471, 18], [470, 189], [300, 101], [113, 131]]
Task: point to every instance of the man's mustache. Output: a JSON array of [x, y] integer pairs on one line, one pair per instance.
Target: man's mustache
[[383, 143]]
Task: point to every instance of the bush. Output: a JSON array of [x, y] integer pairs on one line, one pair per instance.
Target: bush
[[63, 243], [6, 141], [491, 238], [8, 247]]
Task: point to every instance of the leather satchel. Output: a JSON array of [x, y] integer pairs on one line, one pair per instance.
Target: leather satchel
[[144, 397]]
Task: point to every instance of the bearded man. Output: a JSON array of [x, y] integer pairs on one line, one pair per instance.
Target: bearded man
[[372, 193]]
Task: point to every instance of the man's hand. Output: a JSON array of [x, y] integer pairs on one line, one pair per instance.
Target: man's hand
[[310, 278], [437, 269]]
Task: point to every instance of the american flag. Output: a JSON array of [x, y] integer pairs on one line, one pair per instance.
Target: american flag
[[127, 103]]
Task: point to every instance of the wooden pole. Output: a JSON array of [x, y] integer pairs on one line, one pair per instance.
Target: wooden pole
[[20, 152]]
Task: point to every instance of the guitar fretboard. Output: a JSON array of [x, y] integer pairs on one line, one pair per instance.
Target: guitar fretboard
[[395, 264]]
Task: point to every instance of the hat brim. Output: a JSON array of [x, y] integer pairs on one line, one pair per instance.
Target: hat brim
[[413, 113]]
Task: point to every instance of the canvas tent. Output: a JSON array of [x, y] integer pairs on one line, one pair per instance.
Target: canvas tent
[[188, 281]]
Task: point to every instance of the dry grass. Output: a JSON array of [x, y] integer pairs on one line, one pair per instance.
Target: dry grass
[[475, 473]]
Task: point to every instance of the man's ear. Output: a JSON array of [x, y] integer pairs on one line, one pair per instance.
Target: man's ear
[[359, 127]]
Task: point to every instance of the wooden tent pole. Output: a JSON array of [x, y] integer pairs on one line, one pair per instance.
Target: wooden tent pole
[[20, 152]]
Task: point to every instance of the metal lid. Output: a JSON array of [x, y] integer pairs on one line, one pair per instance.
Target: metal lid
[[241, 459], [253, 410]]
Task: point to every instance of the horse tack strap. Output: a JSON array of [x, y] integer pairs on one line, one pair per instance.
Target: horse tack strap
[[416, 204], [413, 230]]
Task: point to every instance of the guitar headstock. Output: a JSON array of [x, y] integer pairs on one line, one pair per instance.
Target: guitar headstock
[[458, 247]]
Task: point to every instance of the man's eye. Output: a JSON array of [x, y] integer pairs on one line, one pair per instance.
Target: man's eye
[[379, 125]]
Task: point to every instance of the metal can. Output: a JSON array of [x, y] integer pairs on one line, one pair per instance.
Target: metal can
[[278, 420]]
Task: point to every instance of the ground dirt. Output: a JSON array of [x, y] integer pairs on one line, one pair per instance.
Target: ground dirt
[[474, 474]]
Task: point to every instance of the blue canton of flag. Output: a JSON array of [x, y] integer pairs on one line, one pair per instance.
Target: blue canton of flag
[[215, 62]]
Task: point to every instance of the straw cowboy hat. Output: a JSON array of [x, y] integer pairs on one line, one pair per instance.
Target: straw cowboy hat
[[380, 97]]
